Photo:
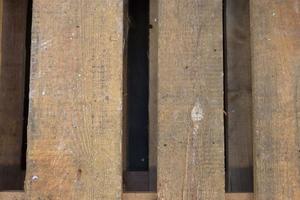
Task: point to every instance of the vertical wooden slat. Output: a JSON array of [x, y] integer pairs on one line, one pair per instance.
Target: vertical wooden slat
[[238, 97], [190, 100], [153, 42], [12, 74], [75, 117], [275, 33]]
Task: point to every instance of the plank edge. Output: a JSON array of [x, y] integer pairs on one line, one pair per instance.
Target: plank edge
[[130, 196], [153, 196]]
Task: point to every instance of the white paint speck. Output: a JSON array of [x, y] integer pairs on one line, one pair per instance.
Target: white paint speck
[[197, 112], [34, 178], [44, 93], [273, 14]]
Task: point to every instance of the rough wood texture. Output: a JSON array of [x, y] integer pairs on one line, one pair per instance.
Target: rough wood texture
[[75, 119], [12, 70], [239, 196], [139, 196], [275, 33], [132, 196], [153, 196], [12, 196], [153, 42], [190, 100], [136, 181], [238, 97]]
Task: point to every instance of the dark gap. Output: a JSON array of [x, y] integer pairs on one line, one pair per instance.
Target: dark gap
[[136, 122], [237, 97], [138, 85], [14, 86], [225, 93], [27, 82]]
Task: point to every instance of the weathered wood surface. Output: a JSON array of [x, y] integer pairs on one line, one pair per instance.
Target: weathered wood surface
[[153, 196], [139, 196], [75, 119], [275, 40], [238, 97], [239, 196], [153, 42], [12, 196], [12, 72], [131, 196], [190, 100], [136, 181]]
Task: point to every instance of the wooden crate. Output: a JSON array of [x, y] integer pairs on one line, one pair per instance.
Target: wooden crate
[[206, 58]]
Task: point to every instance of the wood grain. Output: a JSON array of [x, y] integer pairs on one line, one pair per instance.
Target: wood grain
[[12, 74], [136, 181], [12, 195], [140, 196], [153, 59], [275, 33], [132, 196], [190, 100], [239, 98], [75, 118], [239, 196]]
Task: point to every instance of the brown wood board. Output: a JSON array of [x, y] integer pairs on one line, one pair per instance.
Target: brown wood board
[[190, 100], [275, 40], [75, 118]]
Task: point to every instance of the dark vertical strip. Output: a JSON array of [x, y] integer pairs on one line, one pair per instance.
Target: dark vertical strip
[[225, 79], [26, 85], [138, 85], [237, 97]]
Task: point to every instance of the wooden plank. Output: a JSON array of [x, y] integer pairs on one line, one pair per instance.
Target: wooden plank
[[132, 196], [12, 74], [275, 33], [239, 155], [153, 58], [153, 196], [190, 100], [139, 196], [136, 181], [75, 118], [239, 196], [12, 195]]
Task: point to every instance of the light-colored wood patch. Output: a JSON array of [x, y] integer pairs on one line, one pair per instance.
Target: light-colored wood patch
[[275, 33], [12, 196], [190, 100], [140, 196], [75, 119], [131, 196]]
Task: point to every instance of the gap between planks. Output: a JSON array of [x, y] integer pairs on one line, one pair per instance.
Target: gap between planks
[[129, 196]]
